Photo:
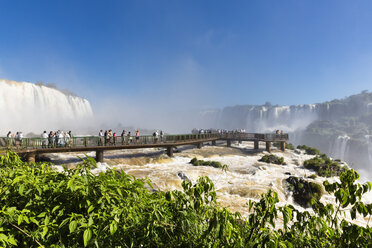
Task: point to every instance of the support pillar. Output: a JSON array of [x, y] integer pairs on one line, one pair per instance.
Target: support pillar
[[213, 142], [170, 151], [256, 145], [228, 143], [240, 141], [268, 146], [99, 156], [282, 146], [199, 145], [31, 157]]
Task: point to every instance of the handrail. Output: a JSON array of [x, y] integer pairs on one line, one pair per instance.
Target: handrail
[[90, 141]]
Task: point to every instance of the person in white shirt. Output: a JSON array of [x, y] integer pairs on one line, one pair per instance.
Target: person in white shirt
[[44, 141]]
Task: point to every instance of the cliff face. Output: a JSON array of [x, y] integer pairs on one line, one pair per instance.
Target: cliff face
[[341, 128], [29, 107]]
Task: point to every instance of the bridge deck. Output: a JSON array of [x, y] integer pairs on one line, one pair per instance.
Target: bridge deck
[[30, 147]]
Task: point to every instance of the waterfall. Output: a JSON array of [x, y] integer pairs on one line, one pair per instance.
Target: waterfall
[[339, 147], [33, 108]]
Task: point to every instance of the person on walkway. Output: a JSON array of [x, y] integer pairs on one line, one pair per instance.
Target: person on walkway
[[114, 138], [44, 141], [137, 136], [56, 134], [60, 138], [101, 138], [129, 136], [66, 140], [155, 136], [123, 137], [109, 137], [161, 136], [18, 139], [9, 137], [70, 139], [106, 135], [51, 139]]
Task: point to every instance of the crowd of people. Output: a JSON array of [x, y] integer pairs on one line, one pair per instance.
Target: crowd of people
[[53, 139], [108, 137], [220, 131]]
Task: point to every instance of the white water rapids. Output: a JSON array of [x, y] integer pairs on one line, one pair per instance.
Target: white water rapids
[[246, 178], [30, 108]]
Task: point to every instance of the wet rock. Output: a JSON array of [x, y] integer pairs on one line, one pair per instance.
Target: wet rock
[[183, 176]]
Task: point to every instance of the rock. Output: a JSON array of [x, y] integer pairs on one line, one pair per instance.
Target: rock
[[183, 176]]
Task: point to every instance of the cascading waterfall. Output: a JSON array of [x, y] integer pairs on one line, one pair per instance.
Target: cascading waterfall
[[267, 118], [32, 108], [339, 147]]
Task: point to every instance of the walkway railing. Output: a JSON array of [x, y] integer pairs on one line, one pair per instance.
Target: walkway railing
[[89, 141], [255, 136]]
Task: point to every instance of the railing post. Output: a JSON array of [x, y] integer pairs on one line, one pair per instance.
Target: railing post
[[282, 146], [268, 146]]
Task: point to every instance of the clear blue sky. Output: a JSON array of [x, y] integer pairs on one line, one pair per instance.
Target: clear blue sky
[[206, 53]]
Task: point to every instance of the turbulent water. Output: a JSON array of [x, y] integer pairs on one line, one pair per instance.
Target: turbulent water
[[246, 179], [31, 108]]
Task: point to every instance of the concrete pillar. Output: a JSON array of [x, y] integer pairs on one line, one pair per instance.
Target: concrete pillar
[[282, 146], [170, 151], [240, 141], [268, 146], [199, 145], [213, 142], [31, 157], [256, 145], [99, 155], [228, 143]]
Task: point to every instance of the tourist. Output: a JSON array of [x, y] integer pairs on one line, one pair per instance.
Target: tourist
[[129, 137], [101, 138], [114, 138], [66, 139], [155, 136], [123, 137], [44, 141], [18, 139], [161, 136], [109, 137], [70, 139], [106, 135], [137, 136], [51, 139], [9, 138], [60, 139]]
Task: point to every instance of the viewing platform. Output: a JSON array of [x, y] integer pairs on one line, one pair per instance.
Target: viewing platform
[[29, 148]]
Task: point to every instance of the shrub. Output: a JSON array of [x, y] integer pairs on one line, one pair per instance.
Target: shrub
[[304, 192], [287, 145], [272, 159], [324, 166], [214, 164], [309, 150]]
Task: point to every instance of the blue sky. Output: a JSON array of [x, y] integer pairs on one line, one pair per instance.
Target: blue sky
[[191, 53]]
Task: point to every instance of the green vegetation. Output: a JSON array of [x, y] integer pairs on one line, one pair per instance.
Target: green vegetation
[[272, 159], [324, 166], [41, 207], [313, 176], [309, 150], [287, 145], [304, 192], [215, 164]]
